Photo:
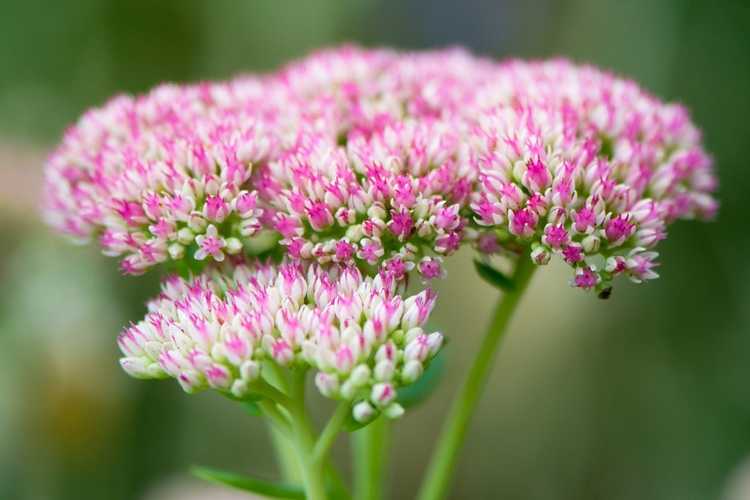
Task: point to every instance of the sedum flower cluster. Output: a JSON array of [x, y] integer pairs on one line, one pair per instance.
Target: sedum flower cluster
[[216, 330], [365, 166], [162, 176], [587, 167]]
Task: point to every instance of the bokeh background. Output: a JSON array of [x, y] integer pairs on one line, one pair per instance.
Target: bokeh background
[[645, 396]]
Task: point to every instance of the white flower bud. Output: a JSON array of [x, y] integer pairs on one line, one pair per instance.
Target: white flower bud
[[382, 394], [239, 388], [410, 318], [135, 366], [176, 251], [411, 371], [363, 412], [384, 370], [196, 222], [354, 233], [591, 244], [412, 334], [327, 384], [249, 370], [376, 212], [393, 411], [360, 375], [233, 246], [540, 255], [435, 342], [185, 236]]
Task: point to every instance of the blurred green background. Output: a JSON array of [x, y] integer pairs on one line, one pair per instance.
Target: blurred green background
[[642, 397]]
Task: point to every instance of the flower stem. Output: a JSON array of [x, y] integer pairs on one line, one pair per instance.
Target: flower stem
[[312, 470], [369, 446], [267, 390], [285, 454], [278, 419], [437, 480], [285, 444], [330, 431]]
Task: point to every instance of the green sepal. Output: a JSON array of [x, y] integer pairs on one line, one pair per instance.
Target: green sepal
[[246, 483], [413, 394], [493, 276]]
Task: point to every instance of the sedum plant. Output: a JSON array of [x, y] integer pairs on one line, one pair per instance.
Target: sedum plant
[[294, 212]]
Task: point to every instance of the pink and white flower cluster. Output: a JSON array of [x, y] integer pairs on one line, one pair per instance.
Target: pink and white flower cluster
[[389, 161], [163, 176], [216, 329], [578, 163], [386, 180], [355, 154], [365, 165]]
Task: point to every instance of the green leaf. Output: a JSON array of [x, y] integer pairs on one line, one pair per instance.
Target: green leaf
[[260, 486], [493, 276], [413, 394]]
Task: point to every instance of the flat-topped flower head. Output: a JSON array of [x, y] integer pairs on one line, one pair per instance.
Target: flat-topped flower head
[[216, 329], [379, 170], [388, 161], [164, 175], [395, 195], [361, 152], [586, 166]]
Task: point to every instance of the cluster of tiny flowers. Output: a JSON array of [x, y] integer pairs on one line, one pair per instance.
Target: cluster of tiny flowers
[[216, 329], [389, 161], [350, 155], [164, 175], [366, 166], [382, 200], [385, 179], [586, 166]]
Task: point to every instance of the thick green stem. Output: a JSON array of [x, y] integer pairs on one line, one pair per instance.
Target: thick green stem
[[285, 455], [278, 419], [267, 390], [437, 480], [370, 449], [331, 431], [312, 470]]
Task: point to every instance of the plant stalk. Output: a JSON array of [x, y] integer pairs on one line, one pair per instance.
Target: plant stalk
[[331, 431], [285, 455], [439, 473], [304, 440], [369, 445]]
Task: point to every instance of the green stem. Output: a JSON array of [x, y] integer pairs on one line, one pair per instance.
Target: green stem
[[339, 490], [437, 480], [285, 455], [331, 431], [285, 445], [312, 470], [271, 410], [369, 446], [265, 389]]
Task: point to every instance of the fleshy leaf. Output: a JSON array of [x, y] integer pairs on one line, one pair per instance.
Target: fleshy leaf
[[493, 276], [246, 483]]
